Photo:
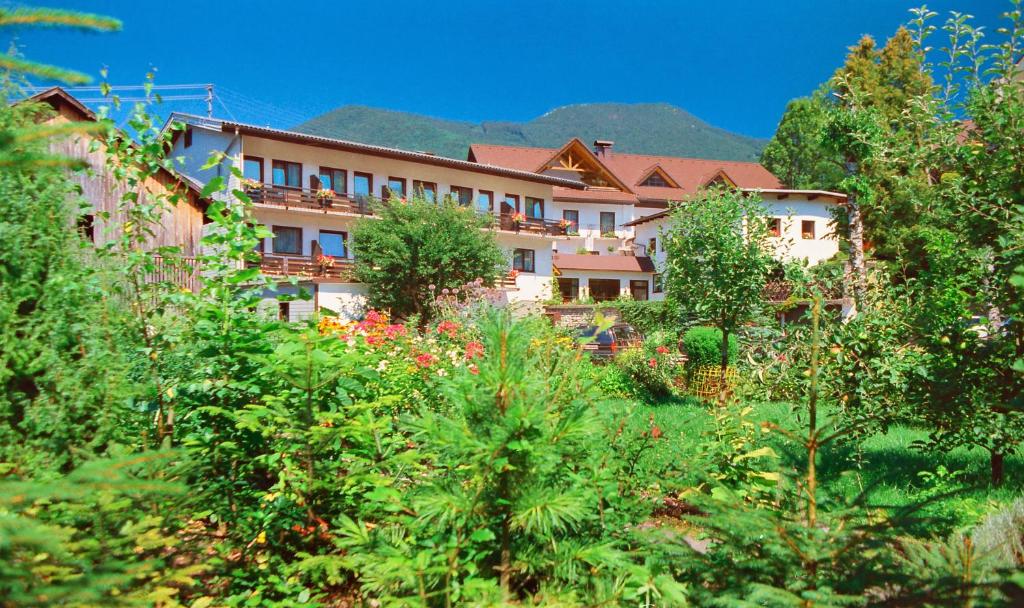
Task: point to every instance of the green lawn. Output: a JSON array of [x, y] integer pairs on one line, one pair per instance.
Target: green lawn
[[884, 469]]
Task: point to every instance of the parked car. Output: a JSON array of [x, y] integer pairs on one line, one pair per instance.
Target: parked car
[[608, 343]]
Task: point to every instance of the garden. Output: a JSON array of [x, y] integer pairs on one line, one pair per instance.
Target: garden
[[168, 447]]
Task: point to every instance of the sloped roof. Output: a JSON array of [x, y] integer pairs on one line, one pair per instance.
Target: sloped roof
[[56, 97], [610, 263], [230, 126], [780, 193], [690, 173]]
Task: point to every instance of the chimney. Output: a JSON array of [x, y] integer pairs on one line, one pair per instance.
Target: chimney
[[603, 147]]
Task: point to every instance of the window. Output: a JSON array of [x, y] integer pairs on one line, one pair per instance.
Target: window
[[283, 311], [333, 243], [573, 217], [656, 180], [775, 226], [534, 208], [522, 260], [462, 196], [252, 168], [188, 137], [427, 190], [287, 239], [395, 188], [286, 173], [659, 283], [607, 222], [569, 289], [485, 200], [602, 290], [87, 227], [652, 245], [334, 179], [638, 289], [362, 185], [511, 203], [807, 229]]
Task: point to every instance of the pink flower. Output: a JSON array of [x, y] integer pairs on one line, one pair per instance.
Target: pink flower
[[426, 360], [653, 362], [474, 350], [393, 331], [374, 340], [373, 317], [663, 350]]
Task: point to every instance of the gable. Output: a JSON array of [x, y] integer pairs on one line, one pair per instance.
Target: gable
[[720, 178], [575, 161], [656, 177]]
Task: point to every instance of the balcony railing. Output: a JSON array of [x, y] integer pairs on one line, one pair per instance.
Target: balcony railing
[[531, 225], [303, 266], [302, 198]]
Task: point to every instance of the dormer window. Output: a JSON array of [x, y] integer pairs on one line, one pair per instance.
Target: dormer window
[[657, 178]]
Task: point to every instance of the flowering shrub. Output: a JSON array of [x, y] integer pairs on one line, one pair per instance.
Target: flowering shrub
[[408, 361], [650, 373]]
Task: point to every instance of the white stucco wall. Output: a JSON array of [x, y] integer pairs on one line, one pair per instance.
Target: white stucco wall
[[204, 142], [312, 158], [790, 244], [793, 212], [346, 299]]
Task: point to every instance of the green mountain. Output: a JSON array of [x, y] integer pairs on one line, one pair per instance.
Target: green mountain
[[642, 128]]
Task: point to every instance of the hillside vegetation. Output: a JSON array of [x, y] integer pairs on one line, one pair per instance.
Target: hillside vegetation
[[642, 128]]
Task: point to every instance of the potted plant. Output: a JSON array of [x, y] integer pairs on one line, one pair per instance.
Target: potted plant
[[324, 262], [566, 226], [251, 184], [518, 219], [325, 196]]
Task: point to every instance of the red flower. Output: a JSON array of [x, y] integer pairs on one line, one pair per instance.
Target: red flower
[[653, 362], [474, 350], [448, 327], [374, 340], [662, 350], [426, 360], [473, 369], [373, 317], [655, 432]]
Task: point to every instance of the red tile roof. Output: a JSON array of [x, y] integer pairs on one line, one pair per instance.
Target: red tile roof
[[616, 263], [690, 173], [594, 196]]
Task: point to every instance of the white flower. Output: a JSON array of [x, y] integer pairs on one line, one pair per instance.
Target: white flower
[[442, 372], [383, 365]]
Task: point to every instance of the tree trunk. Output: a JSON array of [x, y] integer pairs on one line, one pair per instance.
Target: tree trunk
[[722, 386], [856, 224], [997, 463]]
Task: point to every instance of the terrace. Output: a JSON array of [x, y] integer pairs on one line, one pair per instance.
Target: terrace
[[303, 266], [288, 197]]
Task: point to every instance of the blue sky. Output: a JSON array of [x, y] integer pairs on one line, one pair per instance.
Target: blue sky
[[733, 63]]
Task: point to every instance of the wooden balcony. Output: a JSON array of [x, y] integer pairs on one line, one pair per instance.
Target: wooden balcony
[[304, 267], [531, 226], [302, 198]]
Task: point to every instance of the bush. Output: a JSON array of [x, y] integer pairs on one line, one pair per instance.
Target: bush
[[704, 346], [651, 316]]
